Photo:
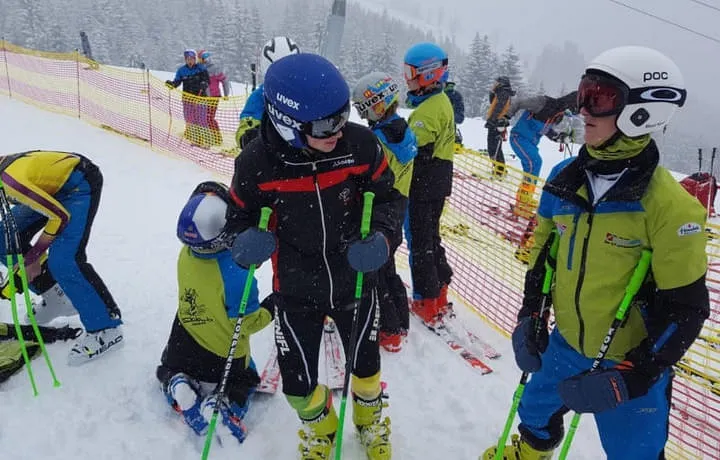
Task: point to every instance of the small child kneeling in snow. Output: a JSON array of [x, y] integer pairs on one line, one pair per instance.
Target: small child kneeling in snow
[[210, 287]]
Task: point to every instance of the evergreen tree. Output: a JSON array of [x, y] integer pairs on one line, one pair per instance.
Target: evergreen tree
[[476, 76], [511, 67], [384, 58]]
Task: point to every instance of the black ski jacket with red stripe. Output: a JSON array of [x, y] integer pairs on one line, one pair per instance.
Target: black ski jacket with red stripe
[[317, 201]]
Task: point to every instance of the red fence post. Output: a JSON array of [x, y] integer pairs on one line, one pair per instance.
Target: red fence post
[[77, 76], [7, 68], [147, 80]]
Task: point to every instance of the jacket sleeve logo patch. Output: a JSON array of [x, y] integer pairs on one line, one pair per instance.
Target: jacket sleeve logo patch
[[620, 242], [690, 228], [419, 124]]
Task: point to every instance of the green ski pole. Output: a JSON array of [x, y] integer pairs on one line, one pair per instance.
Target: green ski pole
[[539, 324], [264, 219], [12, 248], [631, 290], [364, 230]]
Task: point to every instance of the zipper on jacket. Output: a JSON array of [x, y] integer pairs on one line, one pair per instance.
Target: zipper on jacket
[[581, 277], [324, 233], [571, 246]]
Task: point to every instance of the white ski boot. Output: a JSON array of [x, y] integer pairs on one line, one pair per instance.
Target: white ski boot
[[91, 345], [55, 303]]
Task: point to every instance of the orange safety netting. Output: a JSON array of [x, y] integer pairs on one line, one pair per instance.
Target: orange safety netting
[[486, 243]]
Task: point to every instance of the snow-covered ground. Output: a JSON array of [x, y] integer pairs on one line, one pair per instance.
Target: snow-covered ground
[[113, 409]]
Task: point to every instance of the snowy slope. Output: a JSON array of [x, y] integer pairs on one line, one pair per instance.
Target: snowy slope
[[112, 408]]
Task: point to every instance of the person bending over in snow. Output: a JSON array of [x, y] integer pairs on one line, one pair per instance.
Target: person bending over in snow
[[376, 99], [538, 116], [57, 195], [312, 167], [607, 205], [210, 287]]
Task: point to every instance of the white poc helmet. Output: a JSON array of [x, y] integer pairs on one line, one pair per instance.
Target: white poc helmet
[[276, 48], [653, 87]]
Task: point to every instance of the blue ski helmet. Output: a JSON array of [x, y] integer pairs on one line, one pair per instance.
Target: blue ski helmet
[[201, 224], [305, 95], [427, 63]]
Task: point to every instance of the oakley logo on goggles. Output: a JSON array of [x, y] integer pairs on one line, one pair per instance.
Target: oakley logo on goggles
[[319, 129], [603, 97], [411, 72]]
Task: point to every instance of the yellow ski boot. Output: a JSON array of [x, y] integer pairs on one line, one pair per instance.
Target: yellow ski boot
[[373, 430], [518, 450], [317, 436]]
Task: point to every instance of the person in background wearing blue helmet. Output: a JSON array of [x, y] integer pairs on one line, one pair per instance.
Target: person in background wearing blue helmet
[[433, 122], [210, 288], [194, 79], [312, 167], [376, 99], [276, 48]]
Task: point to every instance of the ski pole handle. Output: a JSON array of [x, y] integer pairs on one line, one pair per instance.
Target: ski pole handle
[[368, 198], [550, 268], [636, 281]]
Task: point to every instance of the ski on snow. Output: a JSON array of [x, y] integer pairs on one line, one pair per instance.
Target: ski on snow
[[334, 363], [334, 356], [455, 343]]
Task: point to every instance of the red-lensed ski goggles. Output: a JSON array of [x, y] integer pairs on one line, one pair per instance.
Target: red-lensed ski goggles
[[427, 73], [319, 129], [603, 96]]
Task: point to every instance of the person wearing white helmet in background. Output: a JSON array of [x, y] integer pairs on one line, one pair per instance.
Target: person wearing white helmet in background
[[606, 206], [276, 48]]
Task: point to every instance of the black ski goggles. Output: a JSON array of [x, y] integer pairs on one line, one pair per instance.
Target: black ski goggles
[[329, 126], [602, 96]]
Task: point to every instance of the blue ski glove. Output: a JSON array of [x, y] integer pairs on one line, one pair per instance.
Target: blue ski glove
[[369, 254], [527, 347], [604, 389], [253, 246]]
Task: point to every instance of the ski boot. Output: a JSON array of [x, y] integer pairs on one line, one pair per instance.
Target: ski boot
[[92, 345], [429, 311], [373, 430], [55, 303], [317, 435], [392, 341], [231, 414], [182, 393], [444, 305], [525, 203], [518, 450]]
